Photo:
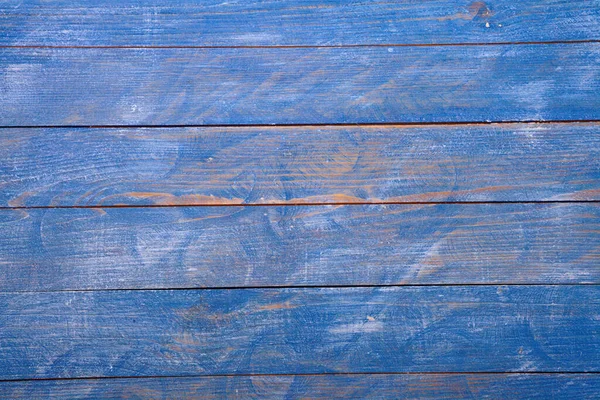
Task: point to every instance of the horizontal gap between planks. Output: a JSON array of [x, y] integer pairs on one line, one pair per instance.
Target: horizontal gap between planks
[[304, 46], [307, 125], [284, 204], [295, 287], [306, 374]]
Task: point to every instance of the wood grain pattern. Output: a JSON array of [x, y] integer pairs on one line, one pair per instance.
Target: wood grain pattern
[[179, 247], [305, 22], [293, 165], [279, 331], [299, 85], [255, 273], [414, 386]]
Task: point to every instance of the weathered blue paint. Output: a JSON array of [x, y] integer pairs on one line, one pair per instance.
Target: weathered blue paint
[[299, 85], [298, 22], [178, 62], [183, 247], [373, 164], [278, 331], [359, 386]]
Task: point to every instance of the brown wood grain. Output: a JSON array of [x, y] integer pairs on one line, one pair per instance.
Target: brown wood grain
[[299, 331], [299, 165], [264, 86], [292, 22], [364, 386], [181, 247]]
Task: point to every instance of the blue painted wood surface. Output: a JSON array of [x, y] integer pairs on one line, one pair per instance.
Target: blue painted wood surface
[[101, 203], [358, 386], [299, 85], [299, 165], [184, 247], [280, 331], [298, 22]]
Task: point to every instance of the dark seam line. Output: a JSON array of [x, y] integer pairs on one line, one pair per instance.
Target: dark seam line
[[340, 46], [304, 374], [299, 125], [242, 205], [299, 287]]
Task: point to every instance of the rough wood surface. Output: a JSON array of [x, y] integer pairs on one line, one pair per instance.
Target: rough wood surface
[[359, 386], [203, 285], [279, 331], [305, 22], [57, 249], [299, 85], [373, 164]]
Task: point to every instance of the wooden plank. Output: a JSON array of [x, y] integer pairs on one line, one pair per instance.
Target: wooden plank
[[181, 247], [295, 331], [306, 22], [414, 386], [299, 165], [299, 85]]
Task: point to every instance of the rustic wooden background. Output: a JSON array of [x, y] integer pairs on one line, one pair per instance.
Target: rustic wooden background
[[301, 198]]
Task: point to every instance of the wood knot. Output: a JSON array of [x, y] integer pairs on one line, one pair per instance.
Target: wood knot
[[479, 9]]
